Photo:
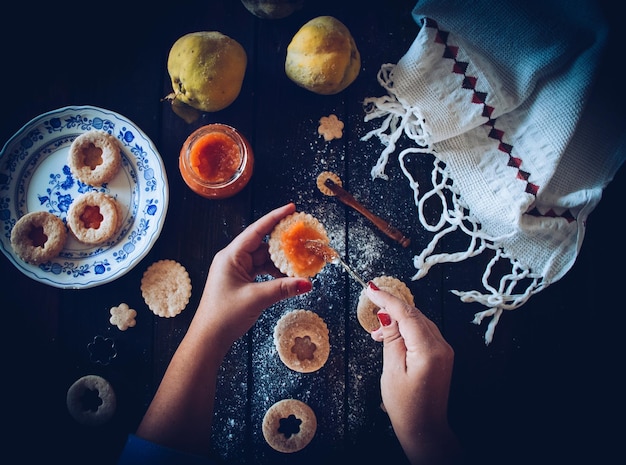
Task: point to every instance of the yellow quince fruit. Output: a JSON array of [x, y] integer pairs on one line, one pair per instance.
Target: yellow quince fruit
[[322, 56], [207, 70]]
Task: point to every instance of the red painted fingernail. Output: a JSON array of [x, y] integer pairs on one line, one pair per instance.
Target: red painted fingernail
[[304, 286], [373, 286], [384, 318]]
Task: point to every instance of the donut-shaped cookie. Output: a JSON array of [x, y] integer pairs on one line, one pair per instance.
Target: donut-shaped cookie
[[91, 400], [301, 339], [366, 311], [287, 245], [289, 425], [94, 217], [321, 182], [38, 237], [94, 157]]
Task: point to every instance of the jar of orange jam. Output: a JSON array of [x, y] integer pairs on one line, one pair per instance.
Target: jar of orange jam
[[216, 161]]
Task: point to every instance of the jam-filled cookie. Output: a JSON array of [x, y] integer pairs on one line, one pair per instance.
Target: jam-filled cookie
[[94, 217], [288, 245], [94, 157], [38, 237]]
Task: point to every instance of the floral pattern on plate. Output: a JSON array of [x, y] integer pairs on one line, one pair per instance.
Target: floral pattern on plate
[[34, 175]]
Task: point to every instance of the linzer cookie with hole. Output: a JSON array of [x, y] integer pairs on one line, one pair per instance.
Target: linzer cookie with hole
[[94, 217], [91, 400], [287, 245], [367, 311], [166, 288], [301, 338], [38, 237], [289, 425], [94, 157]]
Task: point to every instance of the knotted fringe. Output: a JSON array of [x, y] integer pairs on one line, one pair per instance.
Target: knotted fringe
[[402, 119]]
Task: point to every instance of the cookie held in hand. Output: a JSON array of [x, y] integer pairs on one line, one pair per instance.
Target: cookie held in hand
[[367, 312], [288, 249]]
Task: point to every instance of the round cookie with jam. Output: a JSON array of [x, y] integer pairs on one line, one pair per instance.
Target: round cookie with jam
[[94, 157], [288, 245], [94, 217], [38, 237]]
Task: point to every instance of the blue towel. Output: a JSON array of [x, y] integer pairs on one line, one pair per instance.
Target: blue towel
[[500, 94]]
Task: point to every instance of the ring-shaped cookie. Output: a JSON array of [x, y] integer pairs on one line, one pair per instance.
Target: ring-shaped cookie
[[367, 310], [287, 245], [94, 157], [94, 217], [302, 342], [289, 425], [91, 400], [38, 237], [321, 182]]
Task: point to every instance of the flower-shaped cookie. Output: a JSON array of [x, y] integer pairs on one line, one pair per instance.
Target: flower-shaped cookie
[[330, 127], [123, 317]]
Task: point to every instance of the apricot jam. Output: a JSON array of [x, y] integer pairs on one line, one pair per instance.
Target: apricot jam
[[303, 261], [91, 217], [216, 161]]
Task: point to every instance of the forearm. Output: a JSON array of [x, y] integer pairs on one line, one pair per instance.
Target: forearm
[[431, 447], [181, 412]]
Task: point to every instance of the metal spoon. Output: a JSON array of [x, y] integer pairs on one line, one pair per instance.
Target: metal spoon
[[330, 255]]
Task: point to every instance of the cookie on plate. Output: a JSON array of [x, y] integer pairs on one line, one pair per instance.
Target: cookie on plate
[[38, 237], [94, 157], [94, 217]]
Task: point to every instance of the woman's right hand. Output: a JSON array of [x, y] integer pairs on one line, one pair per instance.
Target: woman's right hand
[[415, 381]]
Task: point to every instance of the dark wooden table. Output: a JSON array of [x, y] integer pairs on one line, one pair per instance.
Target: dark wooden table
[[547, 390]]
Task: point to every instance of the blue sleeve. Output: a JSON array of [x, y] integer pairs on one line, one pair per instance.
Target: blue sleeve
[[138, 450]]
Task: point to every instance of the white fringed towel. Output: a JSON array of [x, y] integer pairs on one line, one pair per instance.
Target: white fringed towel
[[499, 93]]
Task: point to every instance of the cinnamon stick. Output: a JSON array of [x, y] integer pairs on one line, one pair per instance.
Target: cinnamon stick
[[348, 199]]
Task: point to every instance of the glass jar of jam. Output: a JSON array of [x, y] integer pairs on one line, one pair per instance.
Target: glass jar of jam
[[216, 161]]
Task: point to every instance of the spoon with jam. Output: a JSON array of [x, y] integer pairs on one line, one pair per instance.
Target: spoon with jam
[[330, 255]]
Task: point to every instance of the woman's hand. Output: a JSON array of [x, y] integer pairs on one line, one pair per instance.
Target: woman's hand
[[415, 382], [232, 300]]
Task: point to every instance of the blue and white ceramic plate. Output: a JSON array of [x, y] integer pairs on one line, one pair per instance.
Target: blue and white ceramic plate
[[34, 175]]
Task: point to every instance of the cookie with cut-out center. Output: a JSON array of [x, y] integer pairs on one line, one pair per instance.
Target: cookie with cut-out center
[[367, 311], [38, 237], [289, 425], [91, 400], [302, 342], [94, 157], [94, 217]]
